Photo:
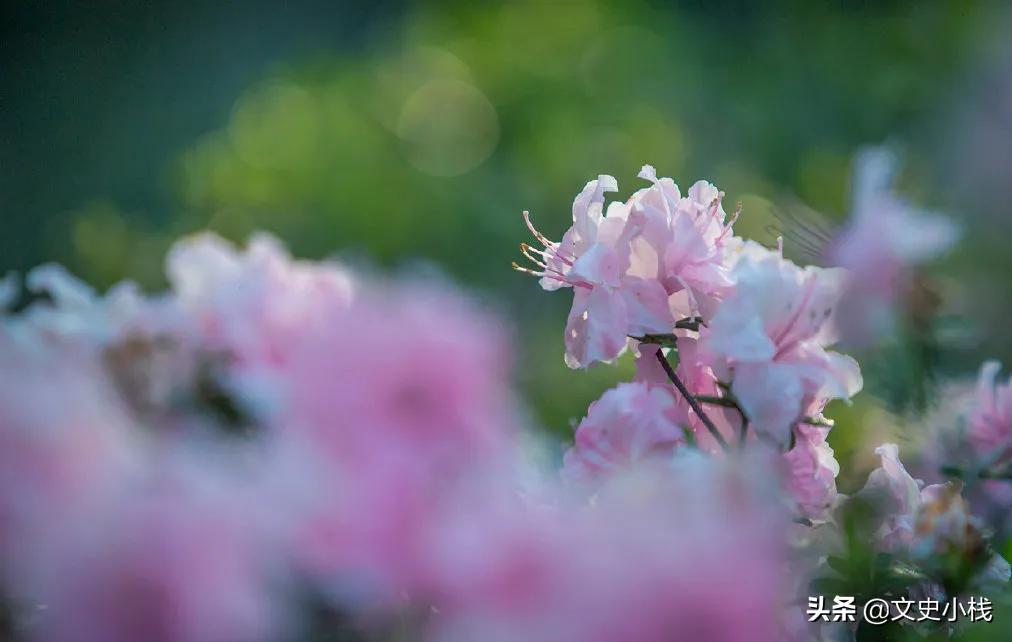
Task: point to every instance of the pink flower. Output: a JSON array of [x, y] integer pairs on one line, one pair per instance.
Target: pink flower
[[900, 494], [405, 369], [595, 258], [630, 302], [658, 557], [637, 268], [926, 521], [769, 338], [989, 422], [686, 242], [180, 559], [986, 432], [493, 554], [631, 422], [66, 444], [258, 304], [405, 398], [885, 239], [811, 473]]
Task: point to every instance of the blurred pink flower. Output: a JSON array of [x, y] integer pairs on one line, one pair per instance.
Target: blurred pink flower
[[989, 421], [927, 521], [884, 240], [255, 304], [658, 556], [416, 370], [66, 444], [404, 398], [899, 495], [181, 558]]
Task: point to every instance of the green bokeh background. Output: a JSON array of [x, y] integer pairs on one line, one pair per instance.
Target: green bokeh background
[[402, 133]]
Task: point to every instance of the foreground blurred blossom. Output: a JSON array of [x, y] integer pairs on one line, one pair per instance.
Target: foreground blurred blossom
[[657, 556], [886, 239], [66, 444], [180, 558], [255, 304], [408, 398]]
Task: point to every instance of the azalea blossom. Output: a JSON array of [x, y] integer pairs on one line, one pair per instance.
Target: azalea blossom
[[769, 339], [637, 266], [924, 521], [655, 557], [811, 471], [67, 444], [628, 423], [181, 557], [989, 422]]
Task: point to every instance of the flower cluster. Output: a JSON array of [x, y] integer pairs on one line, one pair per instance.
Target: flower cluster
[[734, 350], [666, 275]]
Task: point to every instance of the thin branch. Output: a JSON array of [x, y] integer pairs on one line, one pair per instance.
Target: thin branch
[[732, 403], [743, 435], [725, 402], [664, 340], [691, 323], [669, 339], [692, 402]]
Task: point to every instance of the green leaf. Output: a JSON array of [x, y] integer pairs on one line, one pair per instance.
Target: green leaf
[[882, 562], [839, 565]]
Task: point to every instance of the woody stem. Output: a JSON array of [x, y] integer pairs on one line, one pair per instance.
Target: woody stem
[[692, 401]]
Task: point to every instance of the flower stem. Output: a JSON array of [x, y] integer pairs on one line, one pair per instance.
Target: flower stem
[[729, 402], [692, 402], [743, 439], [691, 323], [726, 402]]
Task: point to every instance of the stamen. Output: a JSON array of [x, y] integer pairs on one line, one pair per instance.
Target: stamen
[[715, 205], [552, 275], [530, 253], [780, 246], [730, 224], [538, 235], [528, 248], [520, 268]]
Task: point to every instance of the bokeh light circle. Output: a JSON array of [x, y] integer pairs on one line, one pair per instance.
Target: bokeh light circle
[[448, 128], [275, 125]]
